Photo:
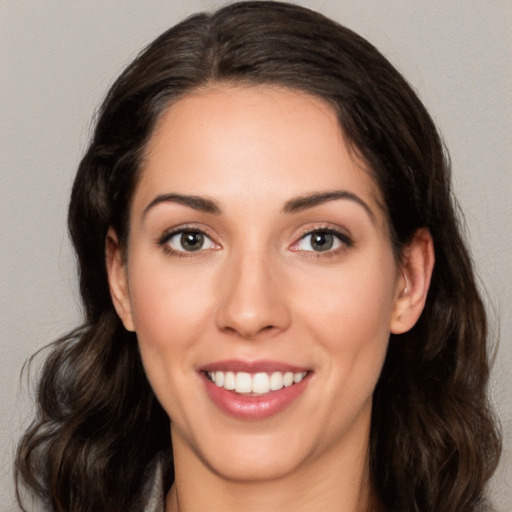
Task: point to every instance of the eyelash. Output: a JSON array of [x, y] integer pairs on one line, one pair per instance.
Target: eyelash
[[344, 240]]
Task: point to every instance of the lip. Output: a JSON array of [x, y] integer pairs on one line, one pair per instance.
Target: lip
[[253, 407], [254, 366]]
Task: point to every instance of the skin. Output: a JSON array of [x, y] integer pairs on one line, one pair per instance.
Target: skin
[[258, 290]]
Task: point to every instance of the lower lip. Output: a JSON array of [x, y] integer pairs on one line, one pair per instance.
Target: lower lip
[[257, 407]]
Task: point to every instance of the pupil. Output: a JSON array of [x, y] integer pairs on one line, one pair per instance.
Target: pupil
[[192, 241], [322, 241]]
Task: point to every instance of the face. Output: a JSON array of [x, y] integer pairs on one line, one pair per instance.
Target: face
[[260, 281]]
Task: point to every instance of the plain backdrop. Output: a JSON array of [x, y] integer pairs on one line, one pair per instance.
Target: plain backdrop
[[57, 59]]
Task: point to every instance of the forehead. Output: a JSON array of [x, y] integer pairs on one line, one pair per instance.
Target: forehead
[[271, 141]]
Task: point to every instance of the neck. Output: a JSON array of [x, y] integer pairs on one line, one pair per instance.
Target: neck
[[336, 481], [270, 497]]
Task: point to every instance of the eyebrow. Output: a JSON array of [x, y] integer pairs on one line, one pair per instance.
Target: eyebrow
[[294, 205], [309, 201], [195, 202]]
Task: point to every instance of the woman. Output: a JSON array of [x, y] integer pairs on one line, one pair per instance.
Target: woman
[[275, 288]]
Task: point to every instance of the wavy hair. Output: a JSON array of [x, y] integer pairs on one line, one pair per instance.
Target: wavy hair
[[433, 441]]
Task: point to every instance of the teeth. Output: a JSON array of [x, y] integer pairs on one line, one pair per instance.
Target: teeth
[[297, 377], [243, 383], [276, 381], [259, 383], [229, 381], [219, 379]]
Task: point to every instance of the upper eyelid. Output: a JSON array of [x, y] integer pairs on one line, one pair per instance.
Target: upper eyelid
[[170, 232], [336, 230]]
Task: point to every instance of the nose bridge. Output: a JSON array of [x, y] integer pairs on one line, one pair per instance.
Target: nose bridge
[[251, 298]]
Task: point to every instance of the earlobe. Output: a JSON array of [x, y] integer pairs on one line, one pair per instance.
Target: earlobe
[[414, 282], [118, 279]]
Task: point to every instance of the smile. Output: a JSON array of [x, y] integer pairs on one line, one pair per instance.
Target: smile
[[254, 390], [254, 384]]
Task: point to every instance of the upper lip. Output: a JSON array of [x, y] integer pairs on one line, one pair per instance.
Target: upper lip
[[252, 366]]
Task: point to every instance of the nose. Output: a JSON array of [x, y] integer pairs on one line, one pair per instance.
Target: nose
[[252, 298]]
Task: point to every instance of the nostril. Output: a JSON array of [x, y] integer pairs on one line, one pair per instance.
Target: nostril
[[251, 334]]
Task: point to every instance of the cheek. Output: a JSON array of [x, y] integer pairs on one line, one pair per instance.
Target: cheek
[[348, 312], [163, 294], [169, 311], [360, 294]]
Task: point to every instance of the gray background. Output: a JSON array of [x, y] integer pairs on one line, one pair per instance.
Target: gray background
[[57, 59]]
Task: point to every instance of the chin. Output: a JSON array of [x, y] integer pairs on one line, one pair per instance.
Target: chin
[[238, 456], [258, 468]]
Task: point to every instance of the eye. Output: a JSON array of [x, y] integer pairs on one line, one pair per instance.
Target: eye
[[188, 241], [322, 240]]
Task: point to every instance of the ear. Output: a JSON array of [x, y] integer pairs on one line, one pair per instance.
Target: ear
[[118, 279], [413, 284]]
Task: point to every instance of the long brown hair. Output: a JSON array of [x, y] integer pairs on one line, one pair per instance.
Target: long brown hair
[[434, 442]]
